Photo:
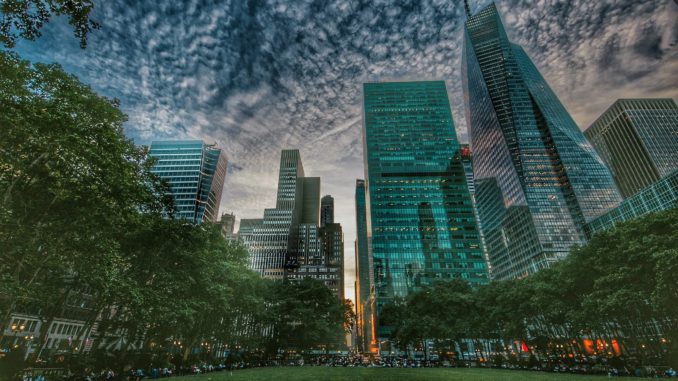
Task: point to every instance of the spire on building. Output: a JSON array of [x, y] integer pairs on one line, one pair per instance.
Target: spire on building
[[468, 9]]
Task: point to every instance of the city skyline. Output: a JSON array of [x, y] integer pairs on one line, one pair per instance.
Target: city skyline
[[640, 54]]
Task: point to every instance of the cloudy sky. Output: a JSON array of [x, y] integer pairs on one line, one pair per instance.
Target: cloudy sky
[[258, 76]]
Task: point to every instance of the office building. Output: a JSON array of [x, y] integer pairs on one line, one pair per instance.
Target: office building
[[332, 239], [364, 301], [638, 141], [287, 243], [326, 210], [195, 172], [269, 238], [419, 210], [661, 195], [537, 179]]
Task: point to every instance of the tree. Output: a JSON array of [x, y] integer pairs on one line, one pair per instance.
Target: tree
[[438, 312], [304, 315], [349, 316], [71, 186], [25, 18]]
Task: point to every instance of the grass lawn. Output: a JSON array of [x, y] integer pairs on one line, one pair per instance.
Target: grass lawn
[[308, 373]]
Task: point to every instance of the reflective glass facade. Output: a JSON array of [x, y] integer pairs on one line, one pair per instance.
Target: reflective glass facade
[[538, 180], [659, 196], [638, 140], [195, 172], [364, 275], [420, 212]]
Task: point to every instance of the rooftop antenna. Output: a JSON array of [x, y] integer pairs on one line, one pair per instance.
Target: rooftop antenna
[[468, 9]]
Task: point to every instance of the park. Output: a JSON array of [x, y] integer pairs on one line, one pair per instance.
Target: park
[[480, 232], [313, 373]]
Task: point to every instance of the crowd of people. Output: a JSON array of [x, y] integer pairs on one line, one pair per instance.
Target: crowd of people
[[156, 372]]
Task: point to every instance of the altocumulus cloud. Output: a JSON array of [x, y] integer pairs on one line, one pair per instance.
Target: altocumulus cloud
[[258, 76]]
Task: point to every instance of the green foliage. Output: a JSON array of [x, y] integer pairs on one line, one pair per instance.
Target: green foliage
[[304, 315], [83, 228], [25, 18], [71, 184]]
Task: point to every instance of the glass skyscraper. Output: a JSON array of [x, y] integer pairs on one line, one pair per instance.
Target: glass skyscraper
[[661, 195], [195, 172], [538, 180], [419, 209], [364, 276], [638, 140]]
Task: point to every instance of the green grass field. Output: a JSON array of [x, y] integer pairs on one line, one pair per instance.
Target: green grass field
[[308, 373]]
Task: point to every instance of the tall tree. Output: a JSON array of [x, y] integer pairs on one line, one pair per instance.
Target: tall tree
[[71, 187], [305, 315]]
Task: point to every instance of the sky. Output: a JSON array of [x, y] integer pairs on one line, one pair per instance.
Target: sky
[[259, 76]]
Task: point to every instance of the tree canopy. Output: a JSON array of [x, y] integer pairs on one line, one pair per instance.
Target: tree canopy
[[25, 18]]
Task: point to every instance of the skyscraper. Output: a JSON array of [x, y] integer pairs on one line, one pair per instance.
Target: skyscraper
[[638, 140], [661, 195], [538, 180], [287, 243], [364, 275], [195, 172], [332, 238], [326, 210], [419, 209], [269, 240]]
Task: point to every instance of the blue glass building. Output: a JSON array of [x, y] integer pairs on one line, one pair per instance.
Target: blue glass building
[[538, 180], [661, 195], [420, 215], [195, 172]]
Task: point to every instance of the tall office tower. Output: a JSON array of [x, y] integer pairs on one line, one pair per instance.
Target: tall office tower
[[195, 172], [364, 275], [419, 209], [638, 140], [227, 223], [326, 210], [538, 180], [268, 239], [287, 242]]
